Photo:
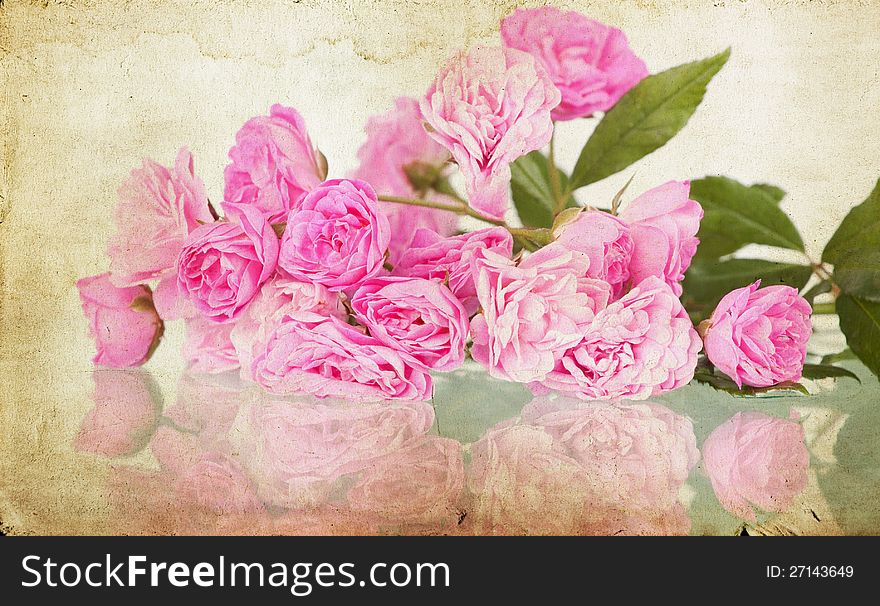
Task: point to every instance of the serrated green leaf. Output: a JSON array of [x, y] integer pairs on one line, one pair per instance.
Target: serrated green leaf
[[706, 282], [644, 119], [736, 215], [860, 323], [823, 371], [531, 189]]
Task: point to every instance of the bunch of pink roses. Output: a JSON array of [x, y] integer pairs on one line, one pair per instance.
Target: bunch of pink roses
[[359, 287]]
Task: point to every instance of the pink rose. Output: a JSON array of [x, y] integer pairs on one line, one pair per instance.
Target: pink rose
[[641, 345], [637, 456], [223, 264], [208, 347], [754, 460], [759, 337], [281, 299], [296, 452], [664, 224], [420, 482], [591, 63], [337, 237], [274, 164], [335, 359], [400, 159], [122, 321], [157, 209], [420, 317], [532, 310], [124, 417], [488, 107], [448, 260], [607, 243]]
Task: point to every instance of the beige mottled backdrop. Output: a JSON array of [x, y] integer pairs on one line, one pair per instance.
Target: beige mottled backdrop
[[90, 87]]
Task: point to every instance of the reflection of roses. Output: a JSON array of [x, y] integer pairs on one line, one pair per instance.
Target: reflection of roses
[[297, 451], [422, 481], [636, 455], [124, 416], [755, 460]]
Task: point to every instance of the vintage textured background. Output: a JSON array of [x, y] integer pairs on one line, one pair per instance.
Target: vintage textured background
[[90, 87]]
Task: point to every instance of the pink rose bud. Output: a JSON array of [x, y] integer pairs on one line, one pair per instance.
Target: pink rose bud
[[157, 210], [488, 107], [639, 346], [122, 321], [607, 243], [664, 224], [755, 460], [337, 237], [208, 347], [591, 63], [448, 260], [420, 317], [223, 264], [335, 359], [274, 164], [400, 159], [124, 417], [759, 337], [532, 311]]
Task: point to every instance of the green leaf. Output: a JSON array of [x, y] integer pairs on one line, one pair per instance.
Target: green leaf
[[531, 190], [860, 322], [858, 273], [854, 249], [861, 222], [823, 371], [776, 194], [644, 119], [736, 215], [723, 383], [707, 281], [841, 356], [823, 287]]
